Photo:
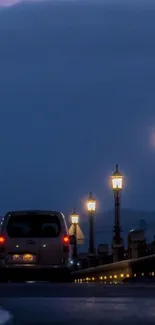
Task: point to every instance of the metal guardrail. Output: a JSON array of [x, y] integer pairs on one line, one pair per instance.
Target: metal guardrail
[[117, 267]]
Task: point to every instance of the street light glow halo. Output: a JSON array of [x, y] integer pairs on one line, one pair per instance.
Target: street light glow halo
[[74, 218], [91, 204], [117, 180]]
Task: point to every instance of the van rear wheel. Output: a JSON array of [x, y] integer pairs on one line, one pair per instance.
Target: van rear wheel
[[3, 276], [62, 276]]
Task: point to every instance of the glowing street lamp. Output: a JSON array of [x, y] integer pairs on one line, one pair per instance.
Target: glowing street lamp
[[91, 208], [74, 218], [117, 186], [117, 180], [75, 221], [91, 204]]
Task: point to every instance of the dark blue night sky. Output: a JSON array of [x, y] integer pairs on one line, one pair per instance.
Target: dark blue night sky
[[77, 96]]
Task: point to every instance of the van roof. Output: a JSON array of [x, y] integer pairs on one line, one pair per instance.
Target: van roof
[[16, 212]]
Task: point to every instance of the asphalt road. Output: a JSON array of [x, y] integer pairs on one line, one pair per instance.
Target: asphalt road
[[78, 304]]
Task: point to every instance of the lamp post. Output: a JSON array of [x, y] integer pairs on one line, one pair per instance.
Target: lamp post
[[75, 222], [91, 207], [117, 186]]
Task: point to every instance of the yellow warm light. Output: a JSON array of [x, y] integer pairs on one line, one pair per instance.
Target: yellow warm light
[[101, 277], [128, 275], [16, 256], [117, 183], [105, 277], [93, 279], [74, 218], [91, 204], [152, 273], [117, 180], [134, 275], [115, 276], [122, 275], [110, 276], [28, 257], [87, 279]]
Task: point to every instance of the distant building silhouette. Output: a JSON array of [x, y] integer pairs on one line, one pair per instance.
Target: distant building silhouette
[[136, 243], [150, 248]]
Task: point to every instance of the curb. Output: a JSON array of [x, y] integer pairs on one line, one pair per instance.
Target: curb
[[5, 317]]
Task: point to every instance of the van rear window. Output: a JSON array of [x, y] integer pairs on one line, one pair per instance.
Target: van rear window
[[33, 225]]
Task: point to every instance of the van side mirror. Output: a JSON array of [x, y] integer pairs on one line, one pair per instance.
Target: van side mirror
[[72, 240]]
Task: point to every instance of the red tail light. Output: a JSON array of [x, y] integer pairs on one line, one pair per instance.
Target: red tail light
[[66, 240], [2, 240]]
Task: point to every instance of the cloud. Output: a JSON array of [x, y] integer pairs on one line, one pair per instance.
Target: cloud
[[9, 3], [6, 3]]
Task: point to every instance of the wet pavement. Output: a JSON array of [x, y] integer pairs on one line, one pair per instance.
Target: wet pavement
[[81, 304]]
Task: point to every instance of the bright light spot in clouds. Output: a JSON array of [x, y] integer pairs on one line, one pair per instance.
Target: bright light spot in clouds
[[6, 3], [9, 3], [153, 137]]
